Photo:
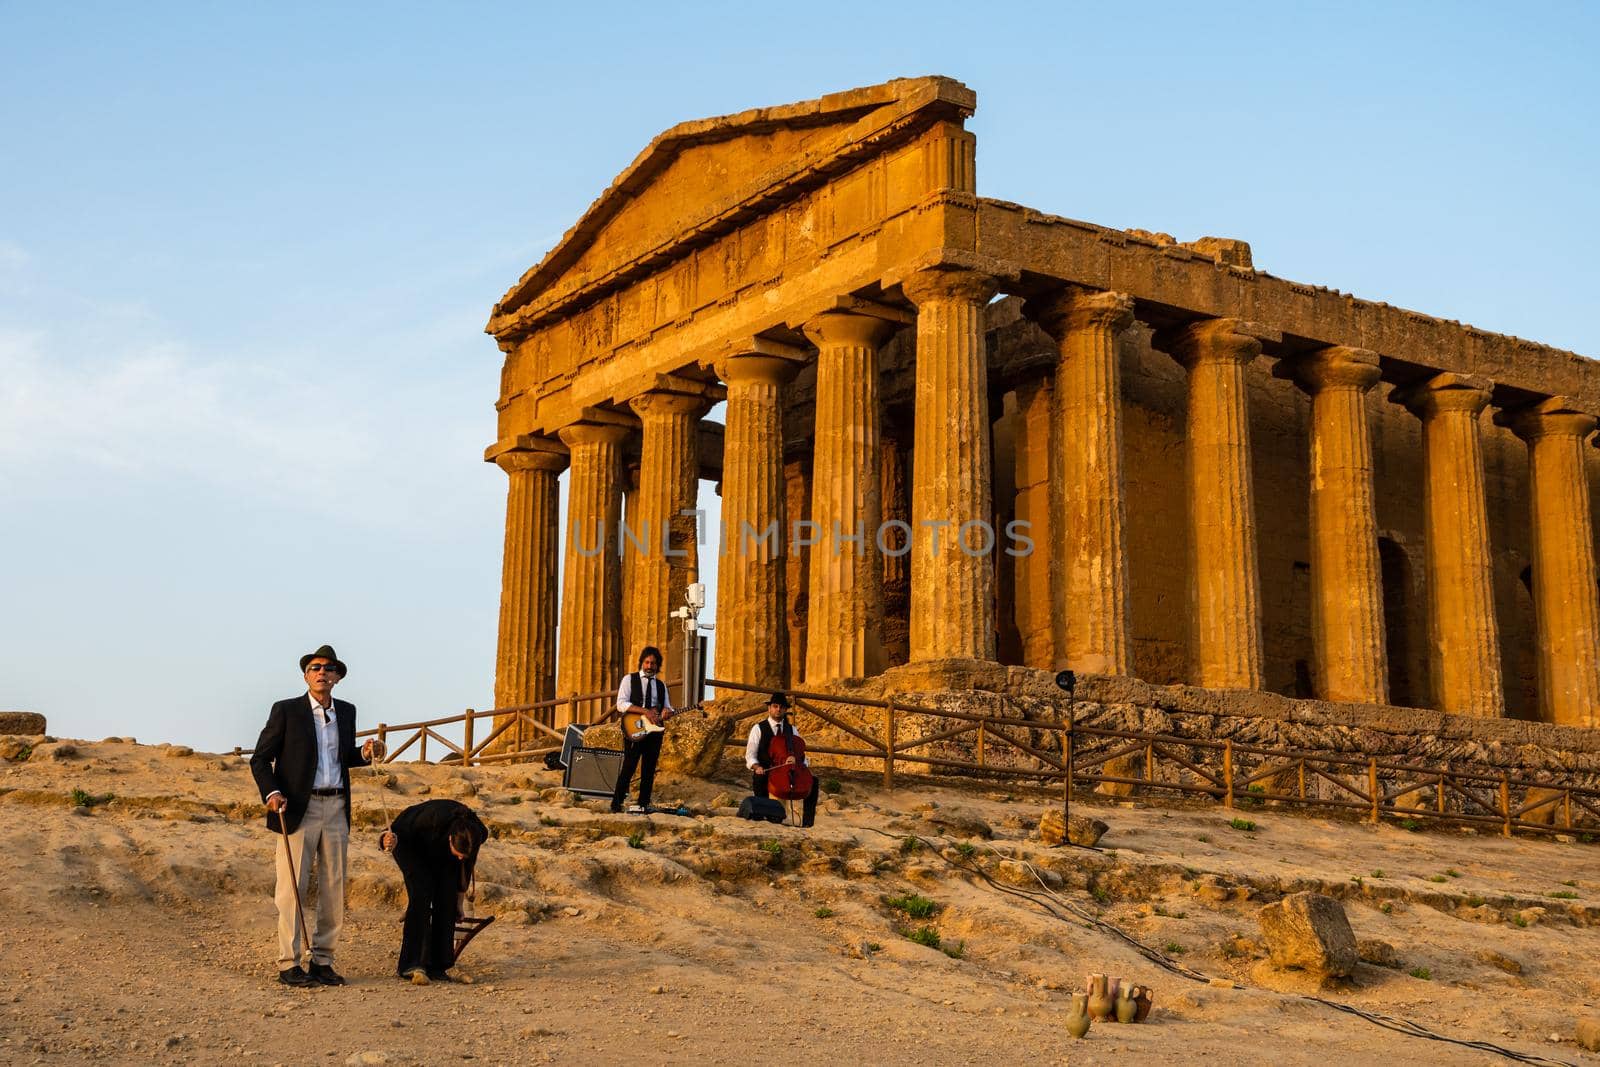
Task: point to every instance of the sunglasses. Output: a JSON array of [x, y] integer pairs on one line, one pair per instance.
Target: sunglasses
[[319, 667]]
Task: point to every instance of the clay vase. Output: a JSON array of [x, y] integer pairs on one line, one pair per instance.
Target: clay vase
[[1100, 1003], [1142, 998], [1078, 1015], [1127, 1007]]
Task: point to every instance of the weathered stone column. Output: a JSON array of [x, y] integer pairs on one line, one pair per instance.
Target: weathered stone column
[[1224, 578], [669, 482], [897, 543], [1086, 458], [525, 661], [845, 603], [796, 572], [1463, 633], [1565, 607], [1346, 578], [952, 563], [590, 658], [1038, 597], [752, 627]]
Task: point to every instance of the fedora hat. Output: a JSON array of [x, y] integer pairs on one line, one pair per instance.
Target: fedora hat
[[325, 652], [779, 699]]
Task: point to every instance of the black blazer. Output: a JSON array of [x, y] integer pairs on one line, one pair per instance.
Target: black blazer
[[285, 758], [423, 830]]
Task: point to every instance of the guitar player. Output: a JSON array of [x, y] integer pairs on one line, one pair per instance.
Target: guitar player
[[642, 691]]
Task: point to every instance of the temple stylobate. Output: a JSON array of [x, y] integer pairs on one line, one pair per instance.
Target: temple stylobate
[[959, 429]]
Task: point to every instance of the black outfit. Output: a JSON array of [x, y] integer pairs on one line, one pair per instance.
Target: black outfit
[[433, 879], [641, 754], [285, 759], [758, 782]]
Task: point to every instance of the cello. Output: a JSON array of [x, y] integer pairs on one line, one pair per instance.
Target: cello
[[788, 780]]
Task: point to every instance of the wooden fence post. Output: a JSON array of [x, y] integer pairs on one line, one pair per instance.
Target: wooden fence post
[[466, 740], [1227, 773], [383, 740], [980, 744], [1372, 786], [1505, 802], [888, 750], [1302, 769]]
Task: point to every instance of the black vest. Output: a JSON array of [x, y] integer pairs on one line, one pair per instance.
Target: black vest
[[764, 746], [636, 691]]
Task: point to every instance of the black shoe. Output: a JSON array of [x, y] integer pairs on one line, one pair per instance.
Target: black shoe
[[439, 976], [616, 809], [297, 978], [324, 974]]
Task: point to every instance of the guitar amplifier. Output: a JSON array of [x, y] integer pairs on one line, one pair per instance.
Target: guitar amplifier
[[592, 772]]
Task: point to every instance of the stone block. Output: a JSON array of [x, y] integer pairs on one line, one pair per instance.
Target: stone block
[[21, 722], [1378, 953], [1310, 932], [1587, 1033], [1054, 829]]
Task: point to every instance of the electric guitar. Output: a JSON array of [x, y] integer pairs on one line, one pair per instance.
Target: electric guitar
[[638, 725]]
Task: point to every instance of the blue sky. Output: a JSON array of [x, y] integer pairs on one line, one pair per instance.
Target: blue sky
[[246, 255]]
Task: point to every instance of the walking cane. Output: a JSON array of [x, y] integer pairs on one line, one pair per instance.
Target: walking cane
[[294, 879]]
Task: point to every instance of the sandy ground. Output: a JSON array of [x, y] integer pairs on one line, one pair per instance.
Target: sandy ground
[[141, 930]]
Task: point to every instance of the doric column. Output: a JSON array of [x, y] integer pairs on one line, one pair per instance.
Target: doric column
[[590, 658], [1038, 598], [1346, 578], [1224, 579], [796, 572], [752, 628], [845, 603], [669, 481], [1086, 458], [952, 561], [525, 661], [897, 542], [1565, 607], [630, 522], [1463, 634]]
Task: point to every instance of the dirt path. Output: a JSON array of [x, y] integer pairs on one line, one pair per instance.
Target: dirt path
[[142, 932]]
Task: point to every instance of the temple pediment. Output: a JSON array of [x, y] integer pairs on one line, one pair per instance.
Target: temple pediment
[[699, 180]]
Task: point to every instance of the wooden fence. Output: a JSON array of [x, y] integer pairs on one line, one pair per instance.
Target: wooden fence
[[897, 735]]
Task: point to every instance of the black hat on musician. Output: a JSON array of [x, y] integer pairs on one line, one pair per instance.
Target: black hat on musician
[[325, 652], [780, 699]]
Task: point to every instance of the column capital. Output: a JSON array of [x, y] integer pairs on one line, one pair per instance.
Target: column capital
[[1554, 416], [527, 451], [1445, 392], [950, 283], [672, 402], [593, 433], [1334, 367], [1226, 340], [1073, 308], [758, 359], [847, 328]]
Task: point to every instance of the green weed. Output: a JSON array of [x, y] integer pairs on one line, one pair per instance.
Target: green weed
[[832, 785], [1422, 973], [1175, 949], [914, 905], [1242, 824], [955, 951], [636, 839], [925, 935], [772, 848], [823, 912]]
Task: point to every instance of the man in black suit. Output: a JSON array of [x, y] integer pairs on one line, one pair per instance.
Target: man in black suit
[[436, 845], [302, 766]]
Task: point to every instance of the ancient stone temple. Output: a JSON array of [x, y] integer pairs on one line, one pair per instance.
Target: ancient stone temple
[[962, 430]]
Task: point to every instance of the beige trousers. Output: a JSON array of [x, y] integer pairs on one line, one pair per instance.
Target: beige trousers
[[323, 837]]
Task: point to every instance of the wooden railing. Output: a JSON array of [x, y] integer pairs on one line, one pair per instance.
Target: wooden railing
[[1231, 774], [894, 734]]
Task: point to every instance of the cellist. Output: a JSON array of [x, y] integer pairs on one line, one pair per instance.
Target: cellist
[[758, 753]]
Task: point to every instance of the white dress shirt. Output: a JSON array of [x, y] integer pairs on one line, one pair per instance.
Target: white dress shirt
[[652, 690], [327, 724], [753, 746]]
